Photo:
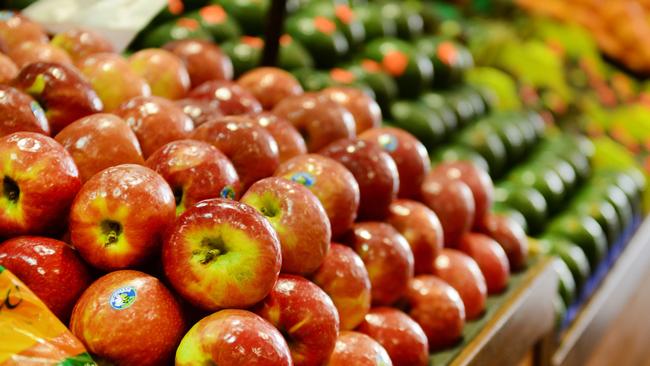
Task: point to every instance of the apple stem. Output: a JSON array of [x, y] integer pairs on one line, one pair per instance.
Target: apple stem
[[211, 249], [112, 230], [10, 189]]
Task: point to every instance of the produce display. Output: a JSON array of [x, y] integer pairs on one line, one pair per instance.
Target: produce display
[[362, 202]]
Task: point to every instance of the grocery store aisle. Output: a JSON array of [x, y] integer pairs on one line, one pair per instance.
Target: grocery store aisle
[[626, 341]]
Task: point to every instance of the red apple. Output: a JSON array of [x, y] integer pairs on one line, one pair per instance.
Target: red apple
[[50, 268], [222, 253], [129, 318], [373, 169], [39, 182], [200, 111], [463, 274], [410, 156], [195, 171], [119, 216], [331, 182], [81, 42], [26, 53], [232, 98], [438, 308], [387, 257], [156, 121], [8, 69], [63, 92], [354, 348], [113, 79], [491, 259], [17, 29], [290, 142], [204, 60], [252, 149], [100, 141], [421, 229], [453, 203], [305, 315], [20, 113], [510, 235], [299, 219], [319, 120], [164, 72], [477, 179], [401, 336], [364, 109], [270, 85], [233, 338], [345, 279]]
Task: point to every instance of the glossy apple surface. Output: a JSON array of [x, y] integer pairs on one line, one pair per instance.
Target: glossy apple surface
[[26, 53], [81, 42], [290, 142], [61, 91], [463, 274], [374, 171], [354, 348], [410, 156], [8, 69], [232, 338], [39, 182], [477, 179], [156, 121], [422, 230], [491, 259], [331, 182], [401, 336], [124, 315], [438, 308], [50, 268], [299, 219], [20, 113], [164, 72], [364, 109], [510, 235], [319, 120], [200, 111], [112, 79], [222, 253], [453, 203], [344, 277], [100, 141], [387, 257], [270, 85], [232, 98], [204, 60], [120, 215], [252, 149], [305, 315], [195, 171], [17, 29]]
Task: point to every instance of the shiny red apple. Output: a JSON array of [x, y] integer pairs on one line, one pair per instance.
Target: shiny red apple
[[491, 259], [232, 98], [120, 215], [125, 315], [81, 42], [200, 111], [331, 182], [305, 315], [27, 53], [17, 29], [20, 113], [164, 72], [373, 169], [364, 109], [290, 142], [453, 203], [510, 235], [422, 230], [100, 141], [319, 120], [270, 85], [463, 274], [204, 60], [358, 349], [39, 181]]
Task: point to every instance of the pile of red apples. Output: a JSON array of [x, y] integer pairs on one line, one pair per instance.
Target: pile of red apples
[[168, 214]]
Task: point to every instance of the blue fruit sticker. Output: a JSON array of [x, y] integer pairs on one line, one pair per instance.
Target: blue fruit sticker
[[304, 178], [122, 298], [388, 142], [227, 192]]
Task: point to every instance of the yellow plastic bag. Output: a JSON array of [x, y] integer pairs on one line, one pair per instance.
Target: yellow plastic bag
[[30, 334]]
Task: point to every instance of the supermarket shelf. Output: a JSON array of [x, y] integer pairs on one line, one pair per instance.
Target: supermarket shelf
[[577, 342], [515, 322]]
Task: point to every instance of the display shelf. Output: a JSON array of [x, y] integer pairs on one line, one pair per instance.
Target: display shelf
[[514, 322], [575, 345]]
